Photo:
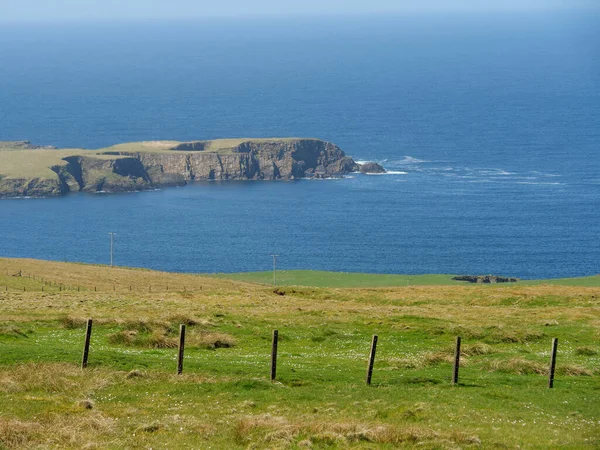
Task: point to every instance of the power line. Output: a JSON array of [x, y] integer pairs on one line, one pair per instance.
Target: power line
[[274, 269], [112, 244]]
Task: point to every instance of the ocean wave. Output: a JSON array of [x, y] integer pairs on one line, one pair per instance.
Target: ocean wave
[[410, 160], [544, 174], [389, 172], [495, 172], [542, 183]]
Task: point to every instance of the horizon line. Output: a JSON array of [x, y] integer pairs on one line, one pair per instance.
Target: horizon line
[[304, 15]]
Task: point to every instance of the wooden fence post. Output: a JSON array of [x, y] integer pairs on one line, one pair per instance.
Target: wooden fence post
[[552, 363], [456, 361], [274, 355], [371, 359], [181, 349], [86, 346]]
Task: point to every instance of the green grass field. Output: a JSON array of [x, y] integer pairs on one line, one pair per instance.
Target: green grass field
[[348, 280], [130, 396]]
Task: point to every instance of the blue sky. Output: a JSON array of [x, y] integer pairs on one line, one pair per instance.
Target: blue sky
[[61, 10]]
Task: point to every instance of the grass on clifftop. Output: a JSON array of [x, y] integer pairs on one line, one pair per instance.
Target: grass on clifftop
[[348, 280], [17, 163], [130, 397]]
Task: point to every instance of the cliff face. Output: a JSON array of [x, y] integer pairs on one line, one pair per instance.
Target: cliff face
[[123, 170], [252, 160], [30, 187]]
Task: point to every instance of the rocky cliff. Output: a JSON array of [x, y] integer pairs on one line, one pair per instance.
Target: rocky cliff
[[147, 165]]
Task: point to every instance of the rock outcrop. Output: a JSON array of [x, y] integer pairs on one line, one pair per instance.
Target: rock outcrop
[[485, 279], [121, 168], [30, 187], [371, 167]]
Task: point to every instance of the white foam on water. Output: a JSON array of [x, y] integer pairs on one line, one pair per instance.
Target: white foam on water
[[495, 172], [410, 160], [544, 174], [540, 183], [390, 172]]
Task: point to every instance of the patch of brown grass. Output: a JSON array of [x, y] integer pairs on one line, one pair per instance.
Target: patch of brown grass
[[212, 340], [54, 431], [52, 378], [586, 351], [72, 322], [514, 336], [518, 366], [478, 348], [276, 431], [521, 366], [160, 339], [18, 434], [426, 359], [572, 370]]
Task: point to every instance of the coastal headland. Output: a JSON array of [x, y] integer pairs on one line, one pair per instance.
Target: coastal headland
[[28, 170]]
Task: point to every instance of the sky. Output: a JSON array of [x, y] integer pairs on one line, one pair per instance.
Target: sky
[[66, 10]]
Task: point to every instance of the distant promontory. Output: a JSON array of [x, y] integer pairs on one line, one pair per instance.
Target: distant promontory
[[27, 170]]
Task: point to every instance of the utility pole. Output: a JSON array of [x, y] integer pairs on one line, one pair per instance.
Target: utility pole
[[112, 245], [274, 269]]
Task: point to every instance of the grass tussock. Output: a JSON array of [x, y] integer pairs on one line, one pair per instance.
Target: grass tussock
[[156, 339], [521, 366], [72, 322], [491, 335], [211, 340], [165, 334], [12, 331], [275, 431], [51, 378], [585, 351], [18, 434], [500, 335], [423, 360], [573, 370], [518, 366], [54, 432], [188, 321], [476, 349]]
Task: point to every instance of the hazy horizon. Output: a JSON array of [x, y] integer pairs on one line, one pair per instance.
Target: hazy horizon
[[21, 11]]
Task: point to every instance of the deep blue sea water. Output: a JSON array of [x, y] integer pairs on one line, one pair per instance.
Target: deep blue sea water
[[489, 126]]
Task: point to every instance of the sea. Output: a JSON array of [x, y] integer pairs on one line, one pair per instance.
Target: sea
[[488, 125]]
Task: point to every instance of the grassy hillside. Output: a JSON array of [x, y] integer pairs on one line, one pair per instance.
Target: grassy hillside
[[33, 163], [348, 280], [130, 397]]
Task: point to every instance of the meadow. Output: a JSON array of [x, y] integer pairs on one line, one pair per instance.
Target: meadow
[[348, 279], [131, 397]]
